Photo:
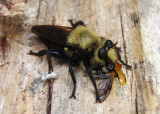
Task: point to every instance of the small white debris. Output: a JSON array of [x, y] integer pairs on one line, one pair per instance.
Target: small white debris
[[32, 39], [48, 76], [31, 34], [39, 82]]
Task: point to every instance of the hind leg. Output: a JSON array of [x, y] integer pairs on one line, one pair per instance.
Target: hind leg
[[44, 52], [74, 25]]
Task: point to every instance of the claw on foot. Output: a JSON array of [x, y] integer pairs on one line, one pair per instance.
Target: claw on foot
[[72, 96], [70, 20], [98, 100], [31, 52]]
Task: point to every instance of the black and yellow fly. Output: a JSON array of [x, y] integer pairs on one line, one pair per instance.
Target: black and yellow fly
[[79, 45]]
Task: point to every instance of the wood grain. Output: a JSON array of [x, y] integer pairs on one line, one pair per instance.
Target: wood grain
[[133, 24]]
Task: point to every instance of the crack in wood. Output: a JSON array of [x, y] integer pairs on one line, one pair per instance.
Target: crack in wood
[[122, 29], [50, 87], [39, 7], [125, 56], [4, 51], [136, 103], [132, 84], [135, 19]]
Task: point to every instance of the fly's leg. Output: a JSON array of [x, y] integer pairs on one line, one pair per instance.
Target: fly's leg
[[93, 81], [51, 53], [73, 79], [119, 57], [74, 25]]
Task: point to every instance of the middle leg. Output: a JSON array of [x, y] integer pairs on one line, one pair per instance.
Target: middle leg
[[73, 79], [93, 81]]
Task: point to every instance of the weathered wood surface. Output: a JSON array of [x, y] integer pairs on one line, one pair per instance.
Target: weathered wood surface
[[133, 24]]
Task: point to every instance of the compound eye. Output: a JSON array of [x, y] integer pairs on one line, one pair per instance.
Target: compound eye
[[102, 53], [108, 44], [110, 67]]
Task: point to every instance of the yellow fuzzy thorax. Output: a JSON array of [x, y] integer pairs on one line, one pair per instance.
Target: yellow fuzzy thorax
[[84, 37]]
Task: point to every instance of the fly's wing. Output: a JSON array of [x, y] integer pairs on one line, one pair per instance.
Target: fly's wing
[[104, 83], [56, 34], [104, 87]]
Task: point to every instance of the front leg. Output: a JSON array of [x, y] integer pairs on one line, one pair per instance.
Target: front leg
[[119, 57], [93, 81]]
